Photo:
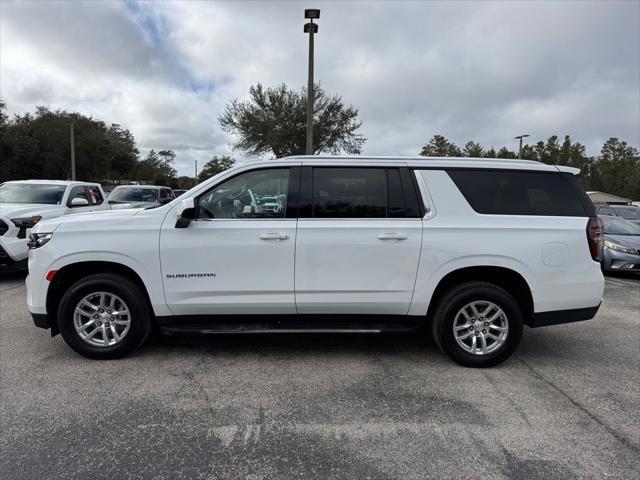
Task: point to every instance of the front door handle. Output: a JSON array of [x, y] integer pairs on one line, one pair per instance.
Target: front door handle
[[392, 236], [274, 236]]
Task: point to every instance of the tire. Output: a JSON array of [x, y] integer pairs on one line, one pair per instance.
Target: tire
[[107, 286], [449, 311]]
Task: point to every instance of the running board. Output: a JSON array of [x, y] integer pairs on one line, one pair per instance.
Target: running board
[[236, 330], [238, 324]]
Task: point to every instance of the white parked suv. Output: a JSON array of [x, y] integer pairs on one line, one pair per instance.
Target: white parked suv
[[26, 202], [473, 249]]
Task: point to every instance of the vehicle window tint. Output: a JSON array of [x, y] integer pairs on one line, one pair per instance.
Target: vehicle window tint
[[96, 196], [606, 211], [255, 194], [521, 193], [78, 192], [349, 193], [395, 195]]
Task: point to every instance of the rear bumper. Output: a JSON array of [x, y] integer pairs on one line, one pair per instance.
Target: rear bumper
[[557, 317]]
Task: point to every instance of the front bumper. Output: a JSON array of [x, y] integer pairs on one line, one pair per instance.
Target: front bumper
[[40, 320], [13, 253], [620, 262]]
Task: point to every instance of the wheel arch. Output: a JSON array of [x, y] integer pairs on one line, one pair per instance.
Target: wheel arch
[[506, 278], [71, 273]]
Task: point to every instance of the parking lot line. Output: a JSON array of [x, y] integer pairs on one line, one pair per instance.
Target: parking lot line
[[616, 283]]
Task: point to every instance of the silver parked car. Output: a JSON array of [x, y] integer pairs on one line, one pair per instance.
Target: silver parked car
[[621, 245]]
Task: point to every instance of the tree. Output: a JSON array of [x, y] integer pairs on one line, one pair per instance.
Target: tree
[[214, 166], [37, 146], [439, 146], [473, 149], [274, 121], [504, 152], [155, 169], [618, 166]]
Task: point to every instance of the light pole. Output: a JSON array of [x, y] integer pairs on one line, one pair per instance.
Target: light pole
[[310, 28], [196, 182], [520, 137], [73, 147]]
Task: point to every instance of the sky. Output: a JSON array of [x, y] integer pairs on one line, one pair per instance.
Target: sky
[[482, 71]]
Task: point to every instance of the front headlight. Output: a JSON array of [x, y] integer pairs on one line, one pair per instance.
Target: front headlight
[[619, 248], [37, 240], [26, 222]]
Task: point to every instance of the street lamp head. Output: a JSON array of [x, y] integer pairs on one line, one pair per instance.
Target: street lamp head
[[312, 13], [522, 136], [310, 27]]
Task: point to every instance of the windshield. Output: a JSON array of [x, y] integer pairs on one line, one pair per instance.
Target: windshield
[[628, 213], [31, 193], [618, 226], [132, 194]]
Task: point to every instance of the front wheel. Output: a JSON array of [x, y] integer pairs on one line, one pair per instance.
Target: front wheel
[[104, 316], [478, 324]]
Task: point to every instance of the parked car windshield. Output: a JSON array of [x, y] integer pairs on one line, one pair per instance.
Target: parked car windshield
[[618, 226], [133, 194], [628, 213], [31, 193]]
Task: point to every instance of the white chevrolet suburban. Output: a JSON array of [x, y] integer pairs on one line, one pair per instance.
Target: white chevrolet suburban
[[473, 249], [24, 203]]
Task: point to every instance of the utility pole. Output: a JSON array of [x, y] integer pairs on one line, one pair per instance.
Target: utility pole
[[310, 28], [73, 146], [520, 137], [196, 182]]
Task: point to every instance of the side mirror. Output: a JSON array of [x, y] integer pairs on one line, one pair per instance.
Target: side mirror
[[165, 200], [185, 212], [78, 202]]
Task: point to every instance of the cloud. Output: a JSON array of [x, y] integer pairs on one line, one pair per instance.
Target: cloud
[[469, 70]]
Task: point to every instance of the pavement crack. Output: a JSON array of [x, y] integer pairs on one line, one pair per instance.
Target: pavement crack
[[619, 437], [514, 404]]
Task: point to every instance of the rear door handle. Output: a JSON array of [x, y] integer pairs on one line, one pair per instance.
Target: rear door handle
[[392, 236], [274, 236]]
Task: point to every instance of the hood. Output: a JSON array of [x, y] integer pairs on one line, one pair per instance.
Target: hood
[[52, 224], [632, 241], [21, 210], [121, 205]]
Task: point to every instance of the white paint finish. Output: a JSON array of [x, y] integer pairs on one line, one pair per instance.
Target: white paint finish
[[343, 267], [555, 254], [336, 266], [17, 247], [457, 237], [252, 264], [126, 237]]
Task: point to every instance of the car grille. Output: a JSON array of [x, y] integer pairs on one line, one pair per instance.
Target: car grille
[[3, 227]]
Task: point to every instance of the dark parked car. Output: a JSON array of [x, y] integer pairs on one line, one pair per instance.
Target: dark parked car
[[139, 196], [621, 245], [628, 212]]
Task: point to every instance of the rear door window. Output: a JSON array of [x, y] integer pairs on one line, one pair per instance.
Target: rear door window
[[507, 192], [349, 193]]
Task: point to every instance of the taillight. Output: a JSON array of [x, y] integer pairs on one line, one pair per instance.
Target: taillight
[[595, 238]]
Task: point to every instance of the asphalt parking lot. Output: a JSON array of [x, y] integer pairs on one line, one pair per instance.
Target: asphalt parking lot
[[567, 405]]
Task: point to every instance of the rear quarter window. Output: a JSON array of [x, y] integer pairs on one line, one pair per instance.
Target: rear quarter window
[[507, 192]]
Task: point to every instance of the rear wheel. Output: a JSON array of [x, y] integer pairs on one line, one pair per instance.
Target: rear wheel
[[478, 324], [104, 316]]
